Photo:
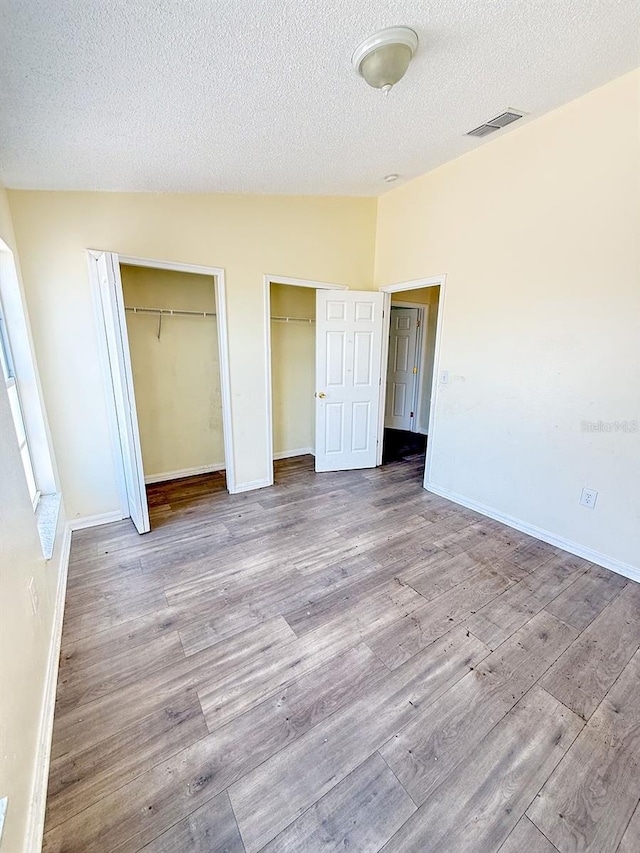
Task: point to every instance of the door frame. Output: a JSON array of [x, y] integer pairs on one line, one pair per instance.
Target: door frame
[[268, 280], [423, 319], [115, 400], [388, 290]]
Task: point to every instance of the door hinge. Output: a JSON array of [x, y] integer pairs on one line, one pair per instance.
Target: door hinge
[[419, 323]]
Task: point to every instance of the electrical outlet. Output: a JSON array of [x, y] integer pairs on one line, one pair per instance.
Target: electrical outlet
[[588, 498], [33, 593]]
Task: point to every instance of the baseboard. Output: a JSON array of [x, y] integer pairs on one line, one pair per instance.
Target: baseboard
[[95, 520], [185, 472], [621, 568], [35, 826], [290, 454], [250, 485]]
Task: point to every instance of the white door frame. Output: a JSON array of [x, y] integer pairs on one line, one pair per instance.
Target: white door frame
[[217, 273], [268, 280], [423, 319], [388, 290]]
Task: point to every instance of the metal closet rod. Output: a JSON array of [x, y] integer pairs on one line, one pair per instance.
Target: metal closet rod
[[171, 312]]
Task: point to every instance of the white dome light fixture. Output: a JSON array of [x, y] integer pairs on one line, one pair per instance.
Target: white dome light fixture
[[382, 59]]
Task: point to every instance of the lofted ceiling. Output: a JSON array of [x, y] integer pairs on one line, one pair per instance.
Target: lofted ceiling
[[255, 96]]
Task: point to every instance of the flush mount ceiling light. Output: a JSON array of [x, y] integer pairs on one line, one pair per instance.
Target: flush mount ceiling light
[[384, 57], [391, 178]]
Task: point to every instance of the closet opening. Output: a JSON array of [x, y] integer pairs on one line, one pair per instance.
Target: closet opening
[[162, 332], [408, 379], [290, 309], [172, 331]]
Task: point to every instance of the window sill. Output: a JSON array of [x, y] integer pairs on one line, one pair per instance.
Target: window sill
[[47, 513]]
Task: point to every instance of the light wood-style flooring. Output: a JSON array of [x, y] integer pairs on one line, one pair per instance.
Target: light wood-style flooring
[[341, 662]]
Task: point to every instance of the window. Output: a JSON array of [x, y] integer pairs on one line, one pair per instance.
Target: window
[[16, 410]]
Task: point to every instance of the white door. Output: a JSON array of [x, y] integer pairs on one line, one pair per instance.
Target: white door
[[402, 369], [348, 358], [115, 327]]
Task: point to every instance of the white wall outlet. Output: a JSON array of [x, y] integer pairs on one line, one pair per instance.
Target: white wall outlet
[[444, 377], [588, 498], [33, 593]]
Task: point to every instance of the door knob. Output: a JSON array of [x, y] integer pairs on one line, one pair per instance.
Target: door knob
[[320, 394]]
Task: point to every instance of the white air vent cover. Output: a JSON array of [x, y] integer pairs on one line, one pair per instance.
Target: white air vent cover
[[496, 123]]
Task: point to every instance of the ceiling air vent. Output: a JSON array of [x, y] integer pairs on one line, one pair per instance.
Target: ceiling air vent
[[495, 123]]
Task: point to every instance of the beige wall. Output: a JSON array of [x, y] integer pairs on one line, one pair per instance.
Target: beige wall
[[538, 232], [293, 358], [25, 638], [177, 376], [326, 239]]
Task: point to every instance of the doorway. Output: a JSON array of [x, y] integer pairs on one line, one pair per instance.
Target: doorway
[[166, 375], [173, 342], [290, 313], [413, 313]]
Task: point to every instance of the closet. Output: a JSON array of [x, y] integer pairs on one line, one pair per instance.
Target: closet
[[293, 353], [173, 341]]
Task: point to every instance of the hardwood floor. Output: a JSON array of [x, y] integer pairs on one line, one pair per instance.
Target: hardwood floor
[[343, 661]]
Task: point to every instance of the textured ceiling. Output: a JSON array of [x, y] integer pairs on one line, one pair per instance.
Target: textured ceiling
[[257, 96]]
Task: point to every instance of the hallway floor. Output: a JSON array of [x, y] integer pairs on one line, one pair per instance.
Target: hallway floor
[[341, 662]]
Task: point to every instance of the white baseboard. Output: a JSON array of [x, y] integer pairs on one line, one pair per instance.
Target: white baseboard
[[185, 472], [621, 568], [95, 520], [35, 825], [299, 451], [250, 485]]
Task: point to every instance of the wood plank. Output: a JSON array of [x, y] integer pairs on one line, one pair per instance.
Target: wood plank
[[401, 640], [532, 555], [445, 734], [480, 803], [80, 685], [631, 839], [581, 602], [151, 803], [240, 610], [581, 677], [89, 775], [588, 801], [273, 795], [361, 813], [210, 829], [527, 837], [362, 603], [257, 679], [91, 723], [499, 619]]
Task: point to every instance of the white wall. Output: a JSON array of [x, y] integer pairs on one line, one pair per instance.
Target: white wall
[[538, 232], [26, 638], [177, 376]]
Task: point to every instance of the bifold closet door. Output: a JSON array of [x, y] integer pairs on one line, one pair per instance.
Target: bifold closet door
[[112, 303], [348, 360]]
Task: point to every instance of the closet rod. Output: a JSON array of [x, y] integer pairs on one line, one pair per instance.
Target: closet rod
[[169, 312], [293, 320]]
